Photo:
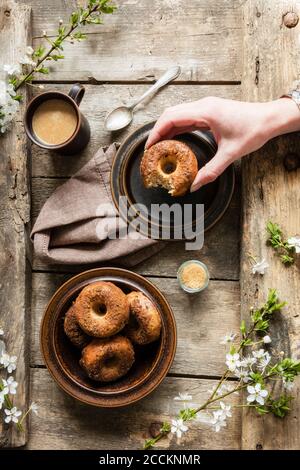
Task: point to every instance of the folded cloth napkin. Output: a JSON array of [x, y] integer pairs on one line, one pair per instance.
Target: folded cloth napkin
[[73, 229]]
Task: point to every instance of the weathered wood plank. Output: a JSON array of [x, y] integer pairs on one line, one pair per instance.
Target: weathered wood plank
[[270, 193], [64, 423], [99, 100], [15, 34], [143, 38], [220, 251], [201, 321]]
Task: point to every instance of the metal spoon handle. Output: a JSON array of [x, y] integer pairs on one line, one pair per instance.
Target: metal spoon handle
[[167, 77]]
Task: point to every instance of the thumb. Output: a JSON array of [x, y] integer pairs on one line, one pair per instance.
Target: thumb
[[210, 171]]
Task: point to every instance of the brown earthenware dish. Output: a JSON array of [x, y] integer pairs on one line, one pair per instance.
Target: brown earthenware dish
[[62, 358]]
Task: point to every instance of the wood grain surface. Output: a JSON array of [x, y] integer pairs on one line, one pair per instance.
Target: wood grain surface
[[15, 34], [64, 423], [134, 46], [138, 42], [271, 64]]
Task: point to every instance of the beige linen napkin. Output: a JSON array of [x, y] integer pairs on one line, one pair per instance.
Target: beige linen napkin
[[69, 229]]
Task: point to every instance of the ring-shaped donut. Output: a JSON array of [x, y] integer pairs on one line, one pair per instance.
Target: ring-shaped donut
[[170, 164], [106, 360], [102, 309]]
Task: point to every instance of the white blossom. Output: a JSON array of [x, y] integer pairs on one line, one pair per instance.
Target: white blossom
[[233, 361], [260, 267], [243, 375], [218, 420], [288, 385], [184, 397], [12, 415], [178, 427], [257, 394], [224, 388], [259, 354], [267, 339], [8, 362], [228, 338], [8, 105], [10, 385], [13, 70], [1, 332], [34, 408], [295, 242], [29, 50], [264, 361], [1, 399], [226, 409], [27, 60], [248, 361]]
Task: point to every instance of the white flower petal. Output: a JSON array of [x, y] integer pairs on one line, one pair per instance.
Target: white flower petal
[[250, 398], [260, 400]]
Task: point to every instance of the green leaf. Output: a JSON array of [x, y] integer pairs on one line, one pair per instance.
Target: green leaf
[[61, 30], [247, 342], [39, 52], [57, 57], [43, 70], [257, 377], [149, 443], [79, 36], [17, 98], [262, 410], [187, 414], [243, 328], [281, 406], [166, 427], [74, 18]]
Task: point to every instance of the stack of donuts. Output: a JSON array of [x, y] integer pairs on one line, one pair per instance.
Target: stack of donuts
[[93, 324]]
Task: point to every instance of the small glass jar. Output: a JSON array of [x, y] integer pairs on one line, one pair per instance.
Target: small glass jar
[[193, 276]]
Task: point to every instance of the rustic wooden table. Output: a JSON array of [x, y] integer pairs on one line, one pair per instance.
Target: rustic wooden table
[[224, 49]]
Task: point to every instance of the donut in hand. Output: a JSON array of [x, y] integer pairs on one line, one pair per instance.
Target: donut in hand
[[169, 164]]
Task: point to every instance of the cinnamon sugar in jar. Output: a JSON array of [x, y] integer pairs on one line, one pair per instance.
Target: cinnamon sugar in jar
[[193, 276]]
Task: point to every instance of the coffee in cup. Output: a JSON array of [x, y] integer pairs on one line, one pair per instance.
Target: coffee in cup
[[53, 121]]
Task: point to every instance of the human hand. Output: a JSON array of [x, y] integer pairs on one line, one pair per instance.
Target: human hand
[[239, 128]]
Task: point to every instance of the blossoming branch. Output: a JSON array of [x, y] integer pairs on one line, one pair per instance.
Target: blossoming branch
[[8, 389], [34, 61], [252, 365]]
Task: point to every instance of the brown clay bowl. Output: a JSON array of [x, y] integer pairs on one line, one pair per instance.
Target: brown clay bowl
[[62, 358]]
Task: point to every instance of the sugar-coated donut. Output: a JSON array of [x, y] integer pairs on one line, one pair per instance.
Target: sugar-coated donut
[[170, 164], [102, 309], [73, 331], [106, 360], [144, 322]]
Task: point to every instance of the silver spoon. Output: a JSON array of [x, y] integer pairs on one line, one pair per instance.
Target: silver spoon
[[122, 116]]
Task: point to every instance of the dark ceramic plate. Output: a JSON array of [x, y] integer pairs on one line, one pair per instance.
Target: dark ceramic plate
[[126, 181], [62, 358]]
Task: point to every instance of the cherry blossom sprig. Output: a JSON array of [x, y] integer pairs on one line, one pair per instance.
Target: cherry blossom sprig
[[34, 61], [252, 366], [285, 249], [8, 389]]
